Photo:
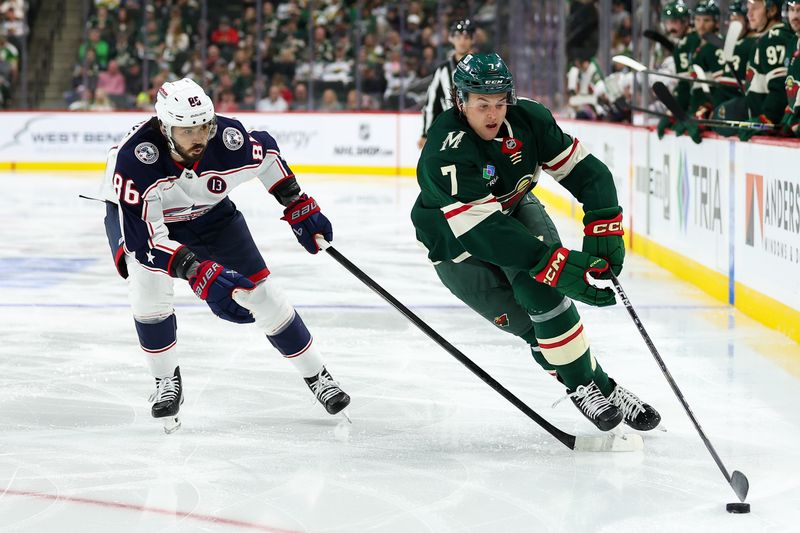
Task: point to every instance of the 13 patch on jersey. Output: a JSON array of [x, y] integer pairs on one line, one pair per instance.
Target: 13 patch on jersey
[[232, 138]]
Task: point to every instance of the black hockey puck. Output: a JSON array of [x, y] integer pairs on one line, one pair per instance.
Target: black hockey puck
[[738, 508]]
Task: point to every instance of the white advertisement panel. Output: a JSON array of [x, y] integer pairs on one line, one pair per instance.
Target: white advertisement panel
[[689, 210], [368, 139], [644, 180], [768, 221]]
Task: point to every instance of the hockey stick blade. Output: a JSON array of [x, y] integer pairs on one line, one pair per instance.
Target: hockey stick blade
[[610, 442], [734, 30], [660, 38], [737, 481], [665, 96], [740, 485], [701, 76], [629, 62]]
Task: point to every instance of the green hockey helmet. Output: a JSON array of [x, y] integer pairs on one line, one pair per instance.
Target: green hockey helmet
[[707, 8], [738, 7], [483, 74], [676, 11]]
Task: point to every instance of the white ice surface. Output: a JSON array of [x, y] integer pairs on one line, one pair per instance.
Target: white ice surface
[[431, 448]]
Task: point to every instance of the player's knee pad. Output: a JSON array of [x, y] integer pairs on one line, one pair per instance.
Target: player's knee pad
[[269, 306], [151, 293]]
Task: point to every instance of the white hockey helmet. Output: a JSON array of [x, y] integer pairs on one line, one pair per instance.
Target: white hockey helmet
[[184, 103]]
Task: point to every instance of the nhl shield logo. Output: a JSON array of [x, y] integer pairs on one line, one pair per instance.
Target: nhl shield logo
[[232, 138], [147, 153], [511, 147]]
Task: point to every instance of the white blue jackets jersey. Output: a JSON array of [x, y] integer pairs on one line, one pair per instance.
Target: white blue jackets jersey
[[153, 190]]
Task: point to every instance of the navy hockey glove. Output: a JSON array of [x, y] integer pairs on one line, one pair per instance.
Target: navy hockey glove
[[602, 237], [215, 284], [568, 271], [307, 221]]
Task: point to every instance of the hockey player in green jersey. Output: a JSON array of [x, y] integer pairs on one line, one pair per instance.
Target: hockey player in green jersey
[[709, 58], [735, 107], [791, 117], [768, 64], [675, 16], [494, 246]]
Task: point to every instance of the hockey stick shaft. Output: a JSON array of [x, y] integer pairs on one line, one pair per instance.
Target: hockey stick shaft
[[566, 439], [661, 39], [665, 96], [737, 481]]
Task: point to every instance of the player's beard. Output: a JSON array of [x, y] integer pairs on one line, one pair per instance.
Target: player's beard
[[187, 157]]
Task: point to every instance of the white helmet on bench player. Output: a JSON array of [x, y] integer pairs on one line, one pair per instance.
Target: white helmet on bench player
[[184, 104]]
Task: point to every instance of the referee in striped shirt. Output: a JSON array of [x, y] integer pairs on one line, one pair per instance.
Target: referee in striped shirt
[[438, 99]]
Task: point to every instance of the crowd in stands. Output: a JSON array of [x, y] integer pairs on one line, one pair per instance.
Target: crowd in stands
[[306, 59], [12, 31]]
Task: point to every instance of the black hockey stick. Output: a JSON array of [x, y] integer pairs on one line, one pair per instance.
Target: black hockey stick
[[640, 67], [661, 39], [737, 480], [662, 93], [607, 442]]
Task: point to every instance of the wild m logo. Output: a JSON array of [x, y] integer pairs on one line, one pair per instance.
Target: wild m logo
[[452, 140]]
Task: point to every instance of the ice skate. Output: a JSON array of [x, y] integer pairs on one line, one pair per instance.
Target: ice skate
[[636, 413], [328, 392], [167, 399], [596, 407]]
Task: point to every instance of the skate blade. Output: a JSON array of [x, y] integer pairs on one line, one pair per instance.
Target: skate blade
[[171, 424], [346, 415], [610, 442]]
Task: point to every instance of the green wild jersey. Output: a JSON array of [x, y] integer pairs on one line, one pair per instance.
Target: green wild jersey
[[741, 53], [470, 187], [709, 58], [766, 73], [682, 55]]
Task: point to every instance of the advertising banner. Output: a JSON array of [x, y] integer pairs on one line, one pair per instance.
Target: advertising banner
[[767, 240]]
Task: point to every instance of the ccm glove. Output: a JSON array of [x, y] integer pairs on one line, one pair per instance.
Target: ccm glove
[[602, 237], [215, 284], [307, 221], [567, 271]]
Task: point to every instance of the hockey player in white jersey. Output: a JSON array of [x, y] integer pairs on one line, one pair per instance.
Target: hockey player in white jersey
[[169, 216]]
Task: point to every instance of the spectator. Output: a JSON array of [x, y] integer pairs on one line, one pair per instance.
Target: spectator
[[133, 78], [285, 64], [340, 69], [124, 30], [225, 37], [111, 81], [10, 56], [101, 101], [244, 80], [98, 45], [86, 71], [84, 101], [274, 102], [300, 100], [227, 102], [102, 22], [330, 101], [176, 44]]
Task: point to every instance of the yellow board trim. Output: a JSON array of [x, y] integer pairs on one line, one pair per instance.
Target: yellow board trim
[[80, 166], [768, 311]]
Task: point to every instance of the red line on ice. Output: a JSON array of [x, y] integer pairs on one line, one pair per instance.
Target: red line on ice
[[155, 510]]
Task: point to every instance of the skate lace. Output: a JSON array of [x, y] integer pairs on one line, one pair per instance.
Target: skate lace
[[630, 404], [325, 387], [590, 400], [167, 389]]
